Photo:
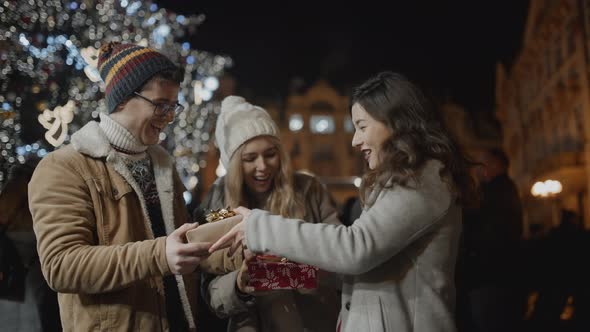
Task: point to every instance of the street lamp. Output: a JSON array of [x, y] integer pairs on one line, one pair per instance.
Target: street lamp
[[546, 188]]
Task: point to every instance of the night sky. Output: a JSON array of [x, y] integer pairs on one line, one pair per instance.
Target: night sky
[[450, 48]]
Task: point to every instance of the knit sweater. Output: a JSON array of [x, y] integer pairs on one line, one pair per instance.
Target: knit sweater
[[140, 166]]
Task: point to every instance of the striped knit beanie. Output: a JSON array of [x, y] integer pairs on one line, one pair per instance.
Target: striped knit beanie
[[124, 68]]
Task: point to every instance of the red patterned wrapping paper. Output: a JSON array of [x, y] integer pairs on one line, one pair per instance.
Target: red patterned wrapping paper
[[268, 274]]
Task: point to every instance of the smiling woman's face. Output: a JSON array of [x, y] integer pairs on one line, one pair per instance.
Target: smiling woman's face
[[369, 135], [260, 164]]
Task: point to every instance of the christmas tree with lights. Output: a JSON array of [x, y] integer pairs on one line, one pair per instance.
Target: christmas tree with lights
[[50, 87]]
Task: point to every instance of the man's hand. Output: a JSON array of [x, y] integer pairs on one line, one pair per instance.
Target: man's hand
[[236, 236], [184, 257]]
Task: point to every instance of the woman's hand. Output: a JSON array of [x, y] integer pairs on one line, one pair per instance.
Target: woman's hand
[[245, 212], [236, 236], [243, 279], [243, 275]]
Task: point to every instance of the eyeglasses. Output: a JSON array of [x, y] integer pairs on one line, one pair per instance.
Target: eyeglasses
[[163, 109]]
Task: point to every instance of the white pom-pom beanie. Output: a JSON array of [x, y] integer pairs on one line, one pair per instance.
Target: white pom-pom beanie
[[238, 122]]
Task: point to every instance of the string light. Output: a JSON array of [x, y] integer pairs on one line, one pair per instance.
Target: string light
[[49, 57]]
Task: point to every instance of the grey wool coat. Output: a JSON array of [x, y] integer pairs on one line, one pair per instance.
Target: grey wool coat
[[398, 258]]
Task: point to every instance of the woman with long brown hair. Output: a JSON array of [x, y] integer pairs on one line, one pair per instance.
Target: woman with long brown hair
[[398, 257]]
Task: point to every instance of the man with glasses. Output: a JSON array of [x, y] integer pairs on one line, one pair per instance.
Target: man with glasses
[[108, 210]]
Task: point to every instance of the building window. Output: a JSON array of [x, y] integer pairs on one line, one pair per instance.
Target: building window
[[558, 54], [547, 63], [323, 160], [571, 38], [296, 150], [348, 126], [322, 124], [323, 152], [295, 122], [579, 123], [322, 106]]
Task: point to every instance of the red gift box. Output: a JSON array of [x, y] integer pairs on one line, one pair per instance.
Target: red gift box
[[272, 273]]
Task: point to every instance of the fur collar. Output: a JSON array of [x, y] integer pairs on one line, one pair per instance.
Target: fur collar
[[90, 140]]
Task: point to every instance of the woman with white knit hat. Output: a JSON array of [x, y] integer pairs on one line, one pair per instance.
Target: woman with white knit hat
[[397, 259], [260, 175]]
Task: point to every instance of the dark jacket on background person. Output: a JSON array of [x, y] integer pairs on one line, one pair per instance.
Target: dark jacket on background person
[[28, 303], [492, 235]]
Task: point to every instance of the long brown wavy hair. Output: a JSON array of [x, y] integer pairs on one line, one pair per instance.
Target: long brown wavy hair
[[419, 135]]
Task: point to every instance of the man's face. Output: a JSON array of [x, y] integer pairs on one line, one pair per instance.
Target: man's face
[[137, 114]]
